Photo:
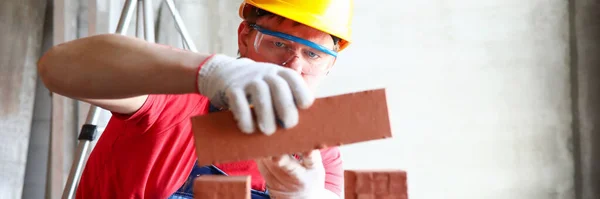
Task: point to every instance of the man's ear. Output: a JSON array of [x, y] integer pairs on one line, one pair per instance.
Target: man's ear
[[243, 36]]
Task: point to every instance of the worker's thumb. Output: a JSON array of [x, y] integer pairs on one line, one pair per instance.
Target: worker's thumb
[[311, 159]]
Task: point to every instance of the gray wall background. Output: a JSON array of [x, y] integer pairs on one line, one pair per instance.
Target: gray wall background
[[488, 99], [585, 87]]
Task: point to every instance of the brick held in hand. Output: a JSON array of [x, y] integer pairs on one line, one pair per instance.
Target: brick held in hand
[[330, 121], [222, 187], [375, 184]]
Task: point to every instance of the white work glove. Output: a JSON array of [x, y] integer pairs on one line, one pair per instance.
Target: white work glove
[[288, 178], [235, 83]]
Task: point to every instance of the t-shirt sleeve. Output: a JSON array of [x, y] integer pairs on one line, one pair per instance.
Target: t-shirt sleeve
[[148, 108], [164, 109], [334, 171]]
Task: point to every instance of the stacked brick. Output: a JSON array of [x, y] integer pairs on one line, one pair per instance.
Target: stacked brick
[[365, 184], [222, 187]]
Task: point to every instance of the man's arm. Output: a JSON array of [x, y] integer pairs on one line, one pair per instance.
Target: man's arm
[[334, 172], [117, 72]]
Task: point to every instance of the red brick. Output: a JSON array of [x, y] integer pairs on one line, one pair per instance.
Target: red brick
[[330, 121], [222, 187], [365, 196], [397, 182], [364, 182], [375, 184], [391, 196], [349, 184], [380, 183]]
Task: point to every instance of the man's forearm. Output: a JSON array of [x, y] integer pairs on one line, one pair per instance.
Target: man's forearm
[[115, 66]]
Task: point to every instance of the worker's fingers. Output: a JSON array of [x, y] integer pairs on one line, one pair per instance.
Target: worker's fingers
[[311, 159], [276, 159], [283, 101], [260, 96], [302, 94], [277, 175], [239, 106], [289, 164]]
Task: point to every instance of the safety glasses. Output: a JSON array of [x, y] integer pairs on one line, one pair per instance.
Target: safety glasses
[[282, 48]]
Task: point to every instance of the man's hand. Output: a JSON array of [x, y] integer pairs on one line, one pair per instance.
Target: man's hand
[[288, 178], [271, 89]]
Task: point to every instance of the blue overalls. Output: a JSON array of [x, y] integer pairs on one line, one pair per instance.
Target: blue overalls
[[186, 190]]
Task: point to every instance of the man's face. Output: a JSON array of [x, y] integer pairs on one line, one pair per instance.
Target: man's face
[[299, 57]]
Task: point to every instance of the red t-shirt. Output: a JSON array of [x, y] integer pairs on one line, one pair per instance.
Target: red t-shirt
[[150, 153]]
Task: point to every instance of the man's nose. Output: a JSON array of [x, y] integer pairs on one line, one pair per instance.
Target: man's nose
[[294, 63]]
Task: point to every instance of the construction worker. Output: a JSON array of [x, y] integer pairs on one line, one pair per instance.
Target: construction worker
[[147, 149]]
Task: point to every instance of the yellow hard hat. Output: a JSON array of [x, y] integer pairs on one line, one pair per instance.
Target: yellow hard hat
[[330, 16]]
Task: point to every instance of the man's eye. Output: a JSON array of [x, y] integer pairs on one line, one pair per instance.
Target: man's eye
[[279, 44], [312, 55]]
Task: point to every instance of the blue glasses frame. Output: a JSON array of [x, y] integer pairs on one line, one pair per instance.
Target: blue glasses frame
[[295, 39]]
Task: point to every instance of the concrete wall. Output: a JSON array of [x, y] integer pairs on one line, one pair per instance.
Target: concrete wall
[[488, 99], [479, 95], [21, 24], [585, 45], [37, 156]]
